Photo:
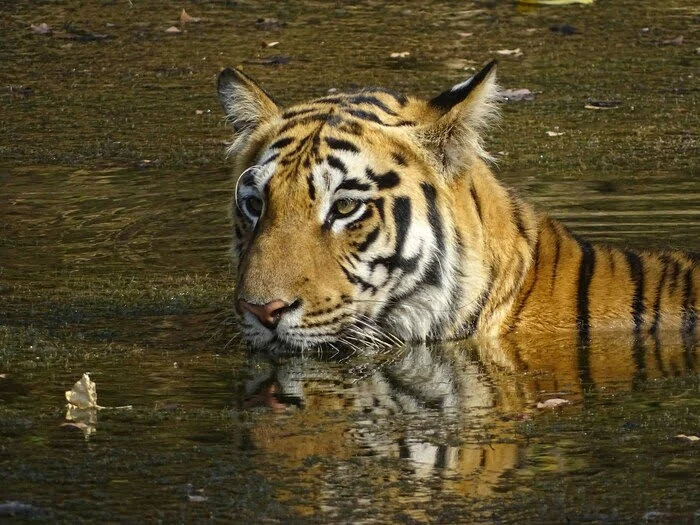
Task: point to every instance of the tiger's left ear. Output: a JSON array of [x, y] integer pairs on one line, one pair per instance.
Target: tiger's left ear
[[459, 116]]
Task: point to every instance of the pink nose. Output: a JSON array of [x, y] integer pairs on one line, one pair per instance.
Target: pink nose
[[269, 314]]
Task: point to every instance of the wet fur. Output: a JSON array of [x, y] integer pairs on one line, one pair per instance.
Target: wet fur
[[443, 249]]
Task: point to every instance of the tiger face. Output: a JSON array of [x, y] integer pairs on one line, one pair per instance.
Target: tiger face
[[345, 214]]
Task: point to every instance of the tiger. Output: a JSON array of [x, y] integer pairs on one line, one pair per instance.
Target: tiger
[[373, 218]]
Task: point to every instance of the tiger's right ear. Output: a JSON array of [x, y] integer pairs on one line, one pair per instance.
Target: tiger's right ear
[[245, 103]]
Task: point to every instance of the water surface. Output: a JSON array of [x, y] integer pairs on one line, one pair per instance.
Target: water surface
[[113, 260]]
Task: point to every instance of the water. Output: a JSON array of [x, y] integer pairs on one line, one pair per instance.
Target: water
[[113, 261]]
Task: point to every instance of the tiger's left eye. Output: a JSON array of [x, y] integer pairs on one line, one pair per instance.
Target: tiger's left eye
[[344, 207]]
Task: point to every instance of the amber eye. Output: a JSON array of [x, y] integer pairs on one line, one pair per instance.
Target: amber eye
[[343, 207], [253, 206]]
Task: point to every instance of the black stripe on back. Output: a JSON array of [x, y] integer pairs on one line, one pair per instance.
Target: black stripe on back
[[341, 145], [637, 276], [585, 275], [659, 292], [690, 316]]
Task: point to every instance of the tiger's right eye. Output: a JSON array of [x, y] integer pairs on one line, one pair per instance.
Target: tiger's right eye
[[253, 206]]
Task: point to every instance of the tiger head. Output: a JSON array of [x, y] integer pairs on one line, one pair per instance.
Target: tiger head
[[347, 220]]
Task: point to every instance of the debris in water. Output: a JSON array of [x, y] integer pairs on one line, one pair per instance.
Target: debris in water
[[173, 30], [400, 54], [552, 403], [692, 439], [269, 23], [270, 44], [516, 95], [603, 104], [510, 52], [554, 2], [678, 41], [41, 29], [187, 19], [563, 29], [555, 133]]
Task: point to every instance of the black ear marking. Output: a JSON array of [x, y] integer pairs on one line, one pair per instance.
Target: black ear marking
[[450, 98]]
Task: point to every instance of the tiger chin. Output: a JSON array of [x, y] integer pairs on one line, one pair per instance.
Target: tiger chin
[[367, 219]]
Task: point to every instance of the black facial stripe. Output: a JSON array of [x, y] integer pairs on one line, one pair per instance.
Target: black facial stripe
[[379, 203], [312, 188], [271, 158], [388, 180], [369, 240], [281, 143], [335, 162], [402, 220], [354, 279], [341, 145], [434, 215], [354, 184]]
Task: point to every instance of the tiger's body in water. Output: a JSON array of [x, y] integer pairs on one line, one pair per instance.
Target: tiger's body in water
[[373, 218]]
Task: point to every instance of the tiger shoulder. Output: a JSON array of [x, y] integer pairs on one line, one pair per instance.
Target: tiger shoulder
[[372, 218]]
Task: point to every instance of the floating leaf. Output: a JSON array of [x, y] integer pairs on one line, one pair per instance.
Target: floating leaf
[[187, 19], [555, 133], [41, 29], [463, 34], [678, 41], [515, 95], [552, 403], [510, 52], [554, 2], [269, 23], [84, 394], [270, 44], [196, 498], [688, 438], [173, 30], [400, 54]]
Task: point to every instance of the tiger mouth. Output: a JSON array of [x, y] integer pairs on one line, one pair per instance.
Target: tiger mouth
[[336, 338]]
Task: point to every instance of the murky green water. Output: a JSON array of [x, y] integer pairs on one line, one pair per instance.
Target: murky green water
[[113, 260]]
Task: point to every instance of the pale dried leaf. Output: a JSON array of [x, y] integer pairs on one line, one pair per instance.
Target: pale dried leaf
[[270, 44], [552, 403], [84, 393], [196, 498], [688, 438], [400, 54], [463, 34], [555, 133], [510, 52], [172, 30], [515, 95], [187, 19], [554, 2], [41, 29]]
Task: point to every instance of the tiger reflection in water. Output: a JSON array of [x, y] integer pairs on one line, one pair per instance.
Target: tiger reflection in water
[[445, 411]]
